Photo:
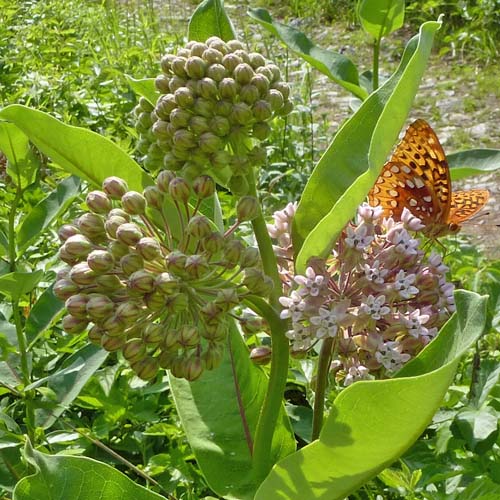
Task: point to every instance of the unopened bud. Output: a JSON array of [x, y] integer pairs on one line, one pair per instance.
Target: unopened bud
[[167, 284], [250, 257], [184, 97], [213, 242], [95, 335], [196, 266], [146, 368], [177, 65], [131, 263], [223, 108], [199, 226], [108, 282], [128, 312], [230, 61], [232, 252], [241, 113], [129, 233], [286, 109], [99, 306], [260, 355], [118, 249], [134, 350], [176, 303], [141, 282], [153, 333], [275, 99], [78, 246], [112, 343], [262, 110], [76, 305], [81, 274], [228, 89], [213, 356], [256, 60], [171, 341], [113, 223], [166, 63], [179, 118], [247, 208], [164, 106], [226, 299], [203, 187], [243, 73], [209, 142], [148, 248], [175, 82], [179, 189], [134, 203], [161, 84], [184, 139], [204, 107], [74, 325], [195, 67], [238, 185], [249, 93], [114, 326], [188, 337], [67, 230], [217, 72], [65, 288], [155, 301], [261, 130], [98, 202], [154, 197], [100, 261], [91, 225]]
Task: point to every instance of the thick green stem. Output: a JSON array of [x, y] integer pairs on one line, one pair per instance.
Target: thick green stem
[[280, 352], [321, 385], [376, 57]]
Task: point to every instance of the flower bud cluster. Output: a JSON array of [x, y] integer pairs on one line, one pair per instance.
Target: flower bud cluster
[[216, 102], [150, 276], [378, 295]]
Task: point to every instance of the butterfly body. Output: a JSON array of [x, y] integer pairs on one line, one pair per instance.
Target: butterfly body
[[417, 177]]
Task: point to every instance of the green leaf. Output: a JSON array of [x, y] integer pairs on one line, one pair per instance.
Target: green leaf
[[352, 162], [79, 151], [60, 477], [481, 489], [335, 66], [144, 87], [40, 217], [42, 314], [380, 18], [489, 374], [15, 285], [219, 413], [210, 19], [22, 163], [473, 162], [67, 383], [477, 427], [349, 451]]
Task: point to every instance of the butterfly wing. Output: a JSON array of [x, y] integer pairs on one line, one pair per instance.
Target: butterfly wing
[[464, 204]]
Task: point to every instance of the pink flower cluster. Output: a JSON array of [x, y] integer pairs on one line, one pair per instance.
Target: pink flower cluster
[[378, 295]]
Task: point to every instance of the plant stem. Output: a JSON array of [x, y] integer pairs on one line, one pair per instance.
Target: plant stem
[[280, 351], [376, 56], [321, 385]]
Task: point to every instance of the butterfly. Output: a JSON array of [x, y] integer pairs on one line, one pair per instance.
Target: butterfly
[[417, 177]]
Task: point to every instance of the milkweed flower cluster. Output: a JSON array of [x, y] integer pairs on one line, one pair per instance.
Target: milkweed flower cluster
[[150, 276], [216, 102], [377, 295]]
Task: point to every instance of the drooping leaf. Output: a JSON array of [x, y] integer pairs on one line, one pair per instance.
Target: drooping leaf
[[144, 87], [352, 162], [349, 451], [40, 217], [380, 18], [63, 477], [79, 151], [218, 410], [473, 162], [210, 19], [15, 285], [334, 65]]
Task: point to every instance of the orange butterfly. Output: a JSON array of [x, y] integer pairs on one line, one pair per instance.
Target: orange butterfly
[[418, 177]]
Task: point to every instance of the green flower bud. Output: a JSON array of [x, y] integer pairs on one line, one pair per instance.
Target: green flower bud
[[109, 282], [264, 70], [228, 89], [148, 248], [203, 187], [131, 263], [163, 180], [220, 126], [261, 83], [178, 368], [213, 242], [170, 162], [118, 249], [178, 66], [188, 337], [261, 130], [134, 203], [204, 107], [286, 109], [176, 303], [113, 326], [184, 139], [176, 82], [167, 284], [98, 202], [223, 108], [165, 105], [111, 343], [113, 223], [240, 164], [220, 159], [77, 246], [114, 187], [196, 266], [198, 48], [227, 298], [247, 208], [195, 67], [67, 230], [275, 99], [257, 155], [184, 97], [235, 45], [180, 118], [256, 60], [232, 252], [249, 93], [153, 333], [230, 61], [65, 288], [134, 350], [252, 324], [76, 305], [179, 190], [100, 261], [213, 356], [166, 63], [283, 88], [66, 257], [243, 55], [199, 227], [161, 84], [217, 72], [91, 225], [154, 197], [99, 307], [261, 355], [81, 274], [250, 257], [192, 85], [144, 121], [207, 88], [199, 124], [141, 282], [209, 142], [257, 282], [146, 368], [175, 261], [275, 72], [74, 325], [238, 185], [194, 368], [262, 111], [212, 56], [171, 341], [128, 312], [214, 42], [145, 105], [129, 233], [120, 213], [243, 73], [241, 114], [142, 147], [95, 335]]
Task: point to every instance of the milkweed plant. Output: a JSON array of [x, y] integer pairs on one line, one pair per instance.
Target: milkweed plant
[[226, 311]]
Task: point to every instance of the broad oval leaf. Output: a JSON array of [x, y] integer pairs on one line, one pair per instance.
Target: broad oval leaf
[[210, 19], [335, 66], [352, 162], [473, 162], [79, 151], [380, 18], [144, 87], [349, 452], [62, 477], [15, 285], [219, 414]]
